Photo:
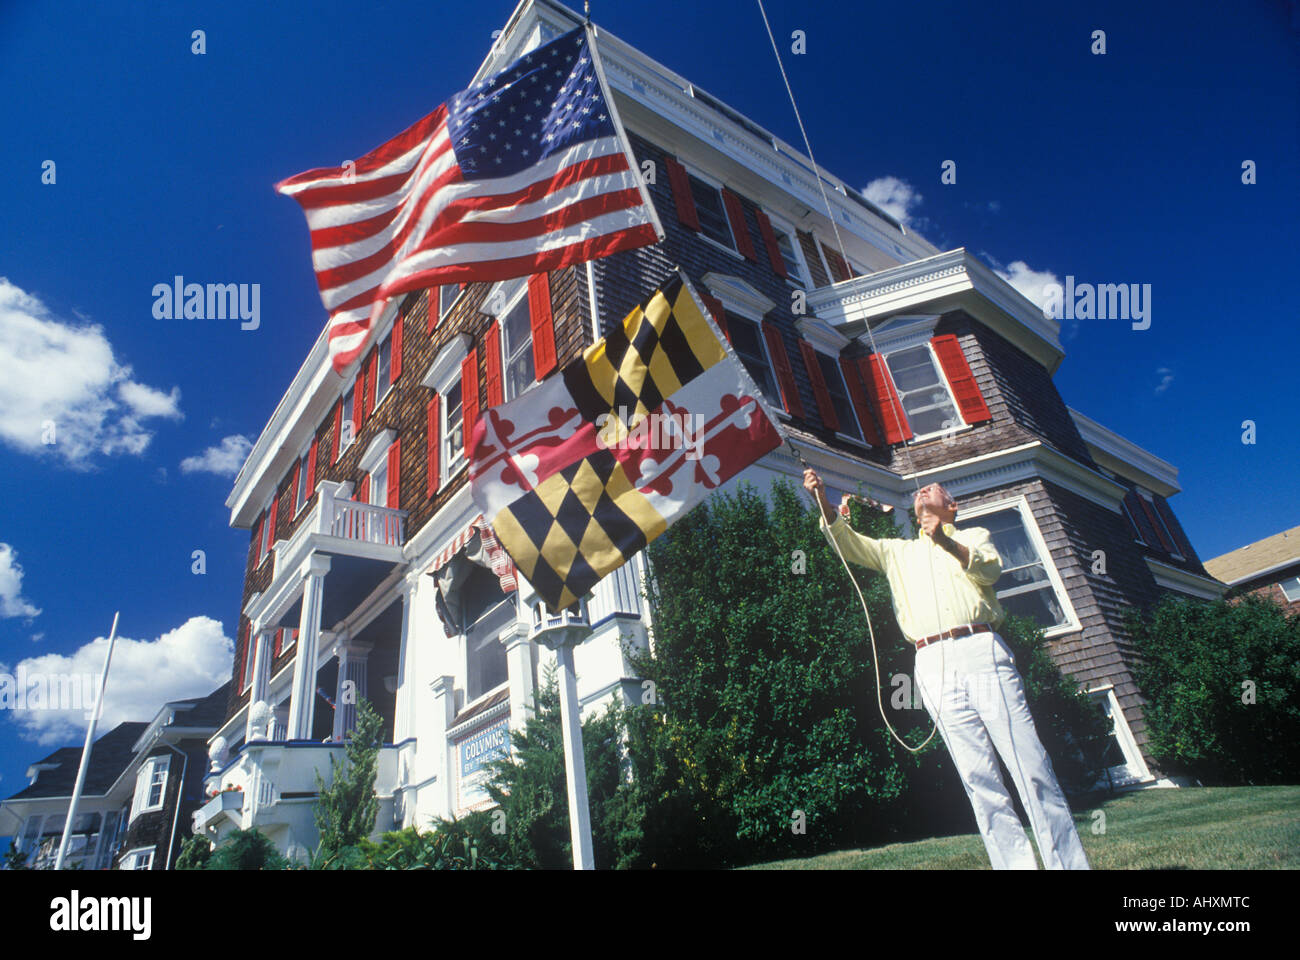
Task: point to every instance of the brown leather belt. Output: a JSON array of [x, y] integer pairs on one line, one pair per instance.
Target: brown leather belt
[[954, 633]]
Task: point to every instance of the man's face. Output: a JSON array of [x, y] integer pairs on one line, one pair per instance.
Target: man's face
[[934, 499]]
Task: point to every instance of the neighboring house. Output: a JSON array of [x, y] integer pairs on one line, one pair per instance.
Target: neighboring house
[[1268, 567], [142, 786], [367, 574]]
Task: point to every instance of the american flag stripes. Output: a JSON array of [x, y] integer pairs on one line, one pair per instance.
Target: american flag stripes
[[525, 171]]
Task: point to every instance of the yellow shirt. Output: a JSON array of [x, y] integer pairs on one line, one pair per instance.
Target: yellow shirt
[[959, 595]]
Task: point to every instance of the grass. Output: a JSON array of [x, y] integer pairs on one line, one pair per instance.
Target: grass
[[1194, 828]]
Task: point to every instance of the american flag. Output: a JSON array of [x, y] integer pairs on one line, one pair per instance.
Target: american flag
[[525, 171]]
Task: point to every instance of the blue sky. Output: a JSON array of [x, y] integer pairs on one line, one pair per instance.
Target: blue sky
[[1117, 168]]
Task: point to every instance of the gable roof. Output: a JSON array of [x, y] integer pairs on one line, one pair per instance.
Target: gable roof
[[1254, 559], [108, 758]]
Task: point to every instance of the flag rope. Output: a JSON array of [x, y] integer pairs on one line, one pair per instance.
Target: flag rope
[[911, 466]]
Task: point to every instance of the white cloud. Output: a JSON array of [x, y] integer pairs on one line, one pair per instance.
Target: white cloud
[[55, 372], [1166, 378], [224, 460], [190, 661], [896, 197], [12, 603]]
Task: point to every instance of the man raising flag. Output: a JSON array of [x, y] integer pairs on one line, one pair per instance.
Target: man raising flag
[[526, 171]]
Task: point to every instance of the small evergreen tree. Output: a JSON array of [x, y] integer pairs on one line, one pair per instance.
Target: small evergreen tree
[[15, 860], [246, 850], [195, 853], [346, 808]]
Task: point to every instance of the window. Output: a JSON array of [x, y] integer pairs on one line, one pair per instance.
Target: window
[[453, 435], [250, 659], [138, 859], [923, 392], [151, 784], [447, 296], [383, 370], [834, 378], [379, 484], [1164, 528], [794, 267], [108, 840], [302, 494], [349, 423], [1291, 589], [1121, 758], [1029, 585], [747, 341], [267, 538], [1137, 531], [711, 212], [488, 612], [517, 345]]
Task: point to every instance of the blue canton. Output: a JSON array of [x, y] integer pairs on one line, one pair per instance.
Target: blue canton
[[543, 103]]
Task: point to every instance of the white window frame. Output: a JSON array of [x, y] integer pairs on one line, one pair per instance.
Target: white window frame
[[442, 373], [1173, 542], [144, 784], [132, 857], [250, 656], [729, 306], [839, 372], [345, 417], [961, 423], [1293, 594], [387, 320], [299, 490], [1134, 770], [716, 184], [268, 538], [1021, 503], [508, 628], [443, 311], [501, 302], [1132, 522], [804, 280], [374, 460]]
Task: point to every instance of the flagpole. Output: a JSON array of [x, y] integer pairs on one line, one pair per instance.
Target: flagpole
[[85, 750]]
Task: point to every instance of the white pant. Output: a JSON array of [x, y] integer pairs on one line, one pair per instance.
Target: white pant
[[982, 707]]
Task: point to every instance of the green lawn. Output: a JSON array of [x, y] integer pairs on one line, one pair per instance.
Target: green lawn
[[1197, 828]]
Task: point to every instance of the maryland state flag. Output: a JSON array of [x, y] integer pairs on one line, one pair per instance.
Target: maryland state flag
[[583, 470]]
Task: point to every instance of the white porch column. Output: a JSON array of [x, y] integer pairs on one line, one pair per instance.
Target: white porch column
[[519, 665], [261, 674], [403, 708], [303, 699], [354, 660], [444, 711]]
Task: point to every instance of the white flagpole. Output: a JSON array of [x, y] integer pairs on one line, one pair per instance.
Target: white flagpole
[[85, 750]]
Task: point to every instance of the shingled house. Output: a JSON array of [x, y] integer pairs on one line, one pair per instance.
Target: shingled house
[[367, 573], [144, 781], [1268, 567]]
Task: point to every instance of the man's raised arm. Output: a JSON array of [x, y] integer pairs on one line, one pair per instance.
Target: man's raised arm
[[856, 547]]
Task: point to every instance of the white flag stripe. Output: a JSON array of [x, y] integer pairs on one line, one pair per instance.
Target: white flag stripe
[[483, 252], [397, 165], [582, 190]]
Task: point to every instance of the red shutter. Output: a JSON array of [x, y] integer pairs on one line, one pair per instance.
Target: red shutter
[[682, 195], [362, 494], [964, 388], [719, 317], [393, 495], [293, 489], [242, 658], [395, 364], [469, 395], [338, 429], [543, 324], [857, 393], [275, 510], [824, 404], [1175, 529], [311, 471], [279, 643], [492, 357], [433, 440], [1155, 523], [784, 374], [769, 241], [257, 542], [739, 229], [433, 299], [839, 270], [885, 398]]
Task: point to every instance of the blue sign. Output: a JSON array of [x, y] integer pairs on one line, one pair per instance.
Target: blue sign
[[476, 752]]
